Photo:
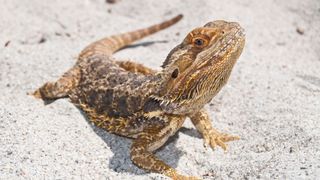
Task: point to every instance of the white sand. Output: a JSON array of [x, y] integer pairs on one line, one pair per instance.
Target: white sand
[[272, 99]]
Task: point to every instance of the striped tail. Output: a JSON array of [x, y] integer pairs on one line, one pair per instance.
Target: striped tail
[[109, 45]]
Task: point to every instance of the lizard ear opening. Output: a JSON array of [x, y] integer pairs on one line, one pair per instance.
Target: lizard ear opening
[[175, 73]]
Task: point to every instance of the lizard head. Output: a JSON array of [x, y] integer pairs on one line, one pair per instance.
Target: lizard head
[[195, 70]]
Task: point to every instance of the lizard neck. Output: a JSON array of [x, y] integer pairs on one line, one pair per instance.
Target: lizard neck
[[187, 105]]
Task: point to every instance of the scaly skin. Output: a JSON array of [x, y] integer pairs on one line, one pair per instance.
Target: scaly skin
[[131, 100]]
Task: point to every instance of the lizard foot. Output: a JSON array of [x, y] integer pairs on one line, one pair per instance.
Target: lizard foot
[[36, 94], [215, 138]]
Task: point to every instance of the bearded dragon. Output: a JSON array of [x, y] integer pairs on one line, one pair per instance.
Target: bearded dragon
[[131, 100]]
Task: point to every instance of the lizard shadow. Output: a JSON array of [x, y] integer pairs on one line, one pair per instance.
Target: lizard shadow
[[120, 146], [190, 132], [145, 44]]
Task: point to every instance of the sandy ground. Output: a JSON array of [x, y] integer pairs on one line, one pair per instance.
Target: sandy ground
[[272, 99]]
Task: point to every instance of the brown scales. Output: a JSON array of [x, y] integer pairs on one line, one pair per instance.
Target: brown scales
[[131, 100]]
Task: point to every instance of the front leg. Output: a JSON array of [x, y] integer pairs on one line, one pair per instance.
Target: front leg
[[150, 140], [210, 135]]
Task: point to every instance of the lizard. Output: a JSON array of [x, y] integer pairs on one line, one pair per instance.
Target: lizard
[[149, 106]]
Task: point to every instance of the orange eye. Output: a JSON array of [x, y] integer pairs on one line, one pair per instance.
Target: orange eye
[[199, 42]]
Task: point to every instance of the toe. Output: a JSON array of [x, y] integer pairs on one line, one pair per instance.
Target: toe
[[221, 144], [181, 177], [213, 143], [227, 138]]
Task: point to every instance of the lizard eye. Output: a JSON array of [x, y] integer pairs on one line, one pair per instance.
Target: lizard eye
[[175, 73], [199, 42]]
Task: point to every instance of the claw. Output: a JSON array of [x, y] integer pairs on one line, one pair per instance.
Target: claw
[[205, 145], [213, 144], [221, 144], [218, 139]]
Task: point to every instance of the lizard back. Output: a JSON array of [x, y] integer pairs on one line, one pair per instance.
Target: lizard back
[[112, 97]]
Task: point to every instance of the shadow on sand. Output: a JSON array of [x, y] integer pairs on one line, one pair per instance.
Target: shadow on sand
[[120, 147]]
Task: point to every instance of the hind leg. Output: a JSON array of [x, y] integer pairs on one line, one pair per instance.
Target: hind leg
[[135, 67], [60, 88]]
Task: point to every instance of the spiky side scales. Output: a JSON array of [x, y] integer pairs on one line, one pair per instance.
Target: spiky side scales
[[131, 100]]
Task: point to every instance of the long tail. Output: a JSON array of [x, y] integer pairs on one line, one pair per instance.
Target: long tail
[[109, 45]]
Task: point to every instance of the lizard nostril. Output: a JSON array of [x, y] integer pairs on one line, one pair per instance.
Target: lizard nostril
[[175, 73]]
